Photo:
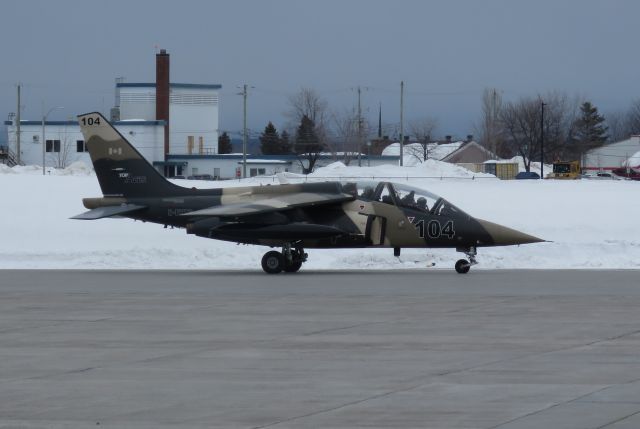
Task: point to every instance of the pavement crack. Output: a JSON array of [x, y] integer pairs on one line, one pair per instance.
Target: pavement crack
[[618, 420], [337, 407]]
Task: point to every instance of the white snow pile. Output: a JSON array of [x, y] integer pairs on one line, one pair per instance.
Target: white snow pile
[[413, 153], [77, 168], [430, 169], [591, 224], [633, 161]]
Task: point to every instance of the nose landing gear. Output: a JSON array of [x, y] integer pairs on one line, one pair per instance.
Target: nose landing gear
[[463, 266], [289, 260]]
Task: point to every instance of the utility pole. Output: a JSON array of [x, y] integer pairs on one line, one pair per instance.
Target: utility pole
[[401, 122], [18, 128], [542, 104], [244, 131], [379, 121], [494, 120], [359, 130]]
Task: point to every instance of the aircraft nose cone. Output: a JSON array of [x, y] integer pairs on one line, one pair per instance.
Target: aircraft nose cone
[[503, 236]]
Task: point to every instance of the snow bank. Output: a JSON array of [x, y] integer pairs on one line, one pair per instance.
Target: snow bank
[[592, 224], [429, 169], [413, 153], [77, 168], [633, 161]]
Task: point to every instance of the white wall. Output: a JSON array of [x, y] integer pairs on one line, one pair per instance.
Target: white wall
[[611, 155], [192, 112], [227, 167], [147, 139], [137, 103]]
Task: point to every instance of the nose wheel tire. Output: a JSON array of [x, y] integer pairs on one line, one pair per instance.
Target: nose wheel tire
[[273, 262], [463, 266]]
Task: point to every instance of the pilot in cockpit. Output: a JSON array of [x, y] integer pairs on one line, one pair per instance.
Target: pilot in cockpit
[[368, 193], [409, 199], [421, 203]]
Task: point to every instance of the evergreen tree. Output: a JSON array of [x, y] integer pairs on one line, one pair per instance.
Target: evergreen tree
[[270, 141], [590, 129], [285, 145], [308, 145], [224, 143]]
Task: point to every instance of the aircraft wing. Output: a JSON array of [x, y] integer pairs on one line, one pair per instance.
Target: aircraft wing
[[272, 204], [109, 211]]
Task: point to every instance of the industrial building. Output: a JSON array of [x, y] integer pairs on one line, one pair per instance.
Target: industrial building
[[611, 156], [159, 119], [173, 125]]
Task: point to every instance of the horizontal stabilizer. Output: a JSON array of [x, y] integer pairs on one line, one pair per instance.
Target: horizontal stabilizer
[[109, 211], [276, 203]]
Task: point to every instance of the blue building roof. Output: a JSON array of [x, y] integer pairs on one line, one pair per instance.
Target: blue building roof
[[171, 85]]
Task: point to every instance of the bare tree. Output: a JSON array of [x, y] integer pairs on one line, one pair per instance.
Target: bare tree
[[521, 122], [633, 118], [307, 105], [618, 126], [523, 129], [61, 157], [307, 102], [422, 129], [490, 129], [346, 136]]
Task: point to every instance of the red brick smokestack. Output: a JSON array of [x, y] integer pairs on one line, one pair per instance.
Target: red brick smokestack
[[162, 95]]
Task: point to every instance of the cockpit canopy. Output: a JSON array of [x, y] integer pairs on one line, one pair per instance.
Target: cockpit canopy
[[404, 196]]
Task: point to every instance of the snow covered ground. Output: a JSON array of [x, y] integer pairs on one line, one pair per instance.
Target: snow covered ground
[[593, 224]]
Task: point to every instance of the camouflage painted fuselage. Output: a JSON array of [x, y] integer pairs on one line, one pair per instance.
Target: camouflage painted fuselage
[[304, 215]]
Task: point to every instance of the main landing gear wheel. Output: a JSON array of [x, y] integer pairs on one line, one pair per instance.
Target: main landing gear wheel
[[273, 262], [289, 260], [292, 267], [463, 266]]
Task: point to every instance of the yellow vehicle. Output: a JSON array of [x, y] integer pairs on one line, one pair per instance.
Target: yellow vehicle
[[565, 170]]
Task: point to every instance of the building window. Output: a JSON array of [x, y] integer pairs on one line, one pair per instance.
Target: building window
[[81, 146], [53, 146], [257, 172]]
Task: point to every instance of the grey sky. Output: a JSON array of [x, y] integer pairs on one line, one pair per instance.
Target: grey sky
[[69, 52]]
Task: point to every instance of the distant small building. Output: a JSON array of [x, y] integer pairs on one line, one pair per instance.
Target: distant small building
[[229, 166], [64, 143], [158, 119], [469, 152], [611, 156]]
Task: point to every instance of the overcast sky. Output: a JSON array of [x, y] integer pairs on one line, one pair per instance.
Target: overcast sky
[[68, 53]]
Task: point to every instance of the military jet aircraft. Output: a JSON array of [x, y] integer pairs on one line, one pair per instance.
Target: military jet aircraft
[[293, 217]]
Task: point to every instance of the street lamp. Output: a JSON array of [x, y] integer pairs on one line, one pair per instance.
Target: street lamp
[[44, 142]]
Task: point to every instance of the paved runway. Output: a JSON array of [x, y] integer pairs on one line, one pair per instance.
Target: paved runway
[[405, 349]]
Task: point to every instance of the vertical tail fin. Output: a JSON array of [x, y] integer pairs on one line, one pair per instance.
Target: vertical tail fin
[[122, 171]]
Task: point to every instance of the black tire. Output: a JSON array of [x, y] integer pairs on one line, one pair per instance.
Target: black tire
[[272, 262], [292, 267], [463, 266]]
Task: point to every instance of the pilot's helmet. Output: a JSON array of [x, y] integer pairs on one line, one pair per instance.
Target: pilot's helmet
[[421, 202], [350, 188]]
